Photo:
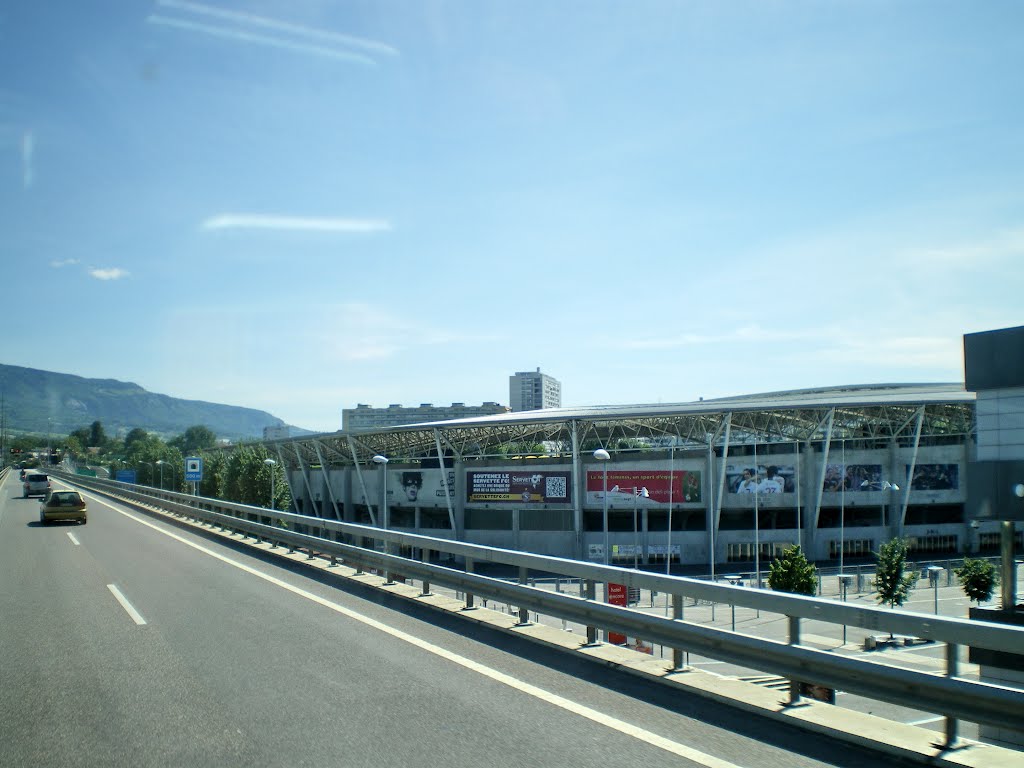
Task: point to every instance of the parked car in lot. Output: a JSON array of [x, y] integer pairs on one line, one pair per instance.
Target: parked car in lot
[[63, 505], [36, 484]]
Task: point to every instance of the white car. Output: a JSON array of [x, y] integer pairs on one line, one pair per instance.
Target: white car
[[36, 484]]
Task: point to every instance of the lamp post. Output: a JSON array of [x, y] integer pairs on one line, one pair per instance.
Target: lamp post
[[161, 462], [603, 456], [757, 519], [671, 482], [842, 511], [383, 462], [271, 466], [933, 577], [637, 493]]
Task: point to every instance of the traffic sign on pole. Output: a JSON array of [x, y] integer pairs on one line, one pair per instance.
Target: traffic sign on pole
[[194, 469]]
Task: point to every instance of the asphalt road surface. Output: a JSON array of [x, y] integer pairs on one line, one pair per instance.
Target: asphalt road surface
[[131, 641]]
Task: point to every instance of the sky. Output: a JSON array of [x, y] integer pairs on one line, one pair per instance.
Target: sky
[[303, 205]]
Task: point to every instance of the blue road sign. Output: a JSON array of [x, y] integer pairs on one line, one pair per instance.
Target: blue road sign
[[193, 469]]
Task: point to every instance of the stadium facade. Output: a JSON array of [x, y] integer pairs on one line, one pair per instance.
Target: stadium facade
[[837, 470]]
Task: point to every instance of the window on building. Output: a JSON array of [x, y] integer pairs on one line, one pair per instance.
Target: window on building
[[743, 551], [931, 545], [852, 548], [993, 542]]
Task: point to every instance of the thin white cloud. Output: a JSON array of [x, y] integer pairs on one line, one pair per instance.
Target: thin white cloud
[[28, 146], [749, 333], [279, 26], [58, 263], [238, 35], [294, 223], [1003, 246], [112, 273]]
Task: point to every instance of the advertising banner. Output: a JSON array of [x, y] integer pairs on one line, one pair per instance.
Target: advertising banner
[[419, 487], [935, 477], [856, 477], [764, 478], [518, 487], [623, 484], [617, 596]]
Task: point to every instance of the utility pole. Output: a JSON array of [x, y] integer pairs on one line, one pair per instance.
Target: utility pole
[[3, 429]]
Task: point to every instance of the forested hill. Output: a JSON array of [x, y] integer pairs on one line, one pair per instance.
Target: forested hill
[[43, 401]]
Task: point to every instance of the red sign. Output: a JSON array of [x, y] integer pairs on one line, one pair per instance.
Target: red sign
[[684, 486], [617, 595]]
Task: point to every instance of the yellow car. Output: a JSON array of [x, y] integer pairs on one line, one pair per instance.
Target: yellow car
[[63, 505]]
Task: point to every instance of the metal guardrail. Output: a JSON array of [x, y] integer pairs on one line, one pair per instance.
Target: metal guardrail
[[954, 697]]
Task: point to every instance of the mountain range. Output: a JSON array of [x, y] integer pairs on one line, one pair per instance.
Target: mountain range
[[45, 402]]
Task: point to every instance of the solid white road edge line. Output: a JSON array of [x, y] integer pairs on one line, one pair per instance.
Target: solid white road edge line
[[128, 607], [696, 756]]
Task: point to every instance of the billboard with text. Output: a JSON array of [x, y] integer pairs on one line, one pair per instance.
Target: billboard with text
[[510, 487], [682, 485]]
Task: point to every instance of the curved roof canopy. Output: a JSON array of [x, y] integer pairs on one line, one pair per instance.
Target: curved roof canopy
[[870, 414]]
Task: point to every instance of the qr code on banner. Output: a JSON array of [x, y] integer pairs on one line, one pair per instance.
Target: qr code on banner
[[554, 488]]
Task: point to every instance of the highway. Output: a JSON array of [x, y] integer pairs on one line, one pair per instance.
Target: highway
[[131, 641]]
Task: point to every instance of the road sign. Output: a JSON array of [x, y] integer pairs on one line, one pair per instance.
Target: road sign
[[193, 469]]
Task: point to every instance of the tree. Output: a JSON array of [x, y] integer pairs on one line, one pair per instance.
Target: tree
[[136, 435], [97, 437], [194, 439], [978, 578], [214, 470], [247, 478], [82, 436], [792, 573], [891, 583]]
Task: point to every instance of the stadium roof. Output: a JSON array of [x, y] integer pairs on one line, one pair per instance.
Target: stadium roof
[[872, 414]]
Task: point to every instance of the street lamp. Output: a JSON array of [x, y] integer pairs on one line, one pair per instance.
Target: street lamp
[[603, 456], [270, 465], [933, 577], [383, 462], [842, 512], [637, 493], [161, 462]]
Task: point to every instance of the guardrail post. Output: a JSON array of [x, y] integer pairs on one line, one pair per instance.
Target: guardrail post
[[589, 587], [794, 639], [360, 542], [469, 595], [425, 558], [952, 670], [677, 614], [388, 579], [524, 613]]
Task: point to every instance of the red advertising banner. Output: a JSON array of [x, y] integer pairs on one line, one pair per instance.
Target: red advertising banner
[[617, 596], [519, 487], [623, 484]]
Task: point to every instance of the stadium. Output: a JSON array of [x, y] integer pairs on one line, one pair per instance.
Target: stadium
[[724, 482]]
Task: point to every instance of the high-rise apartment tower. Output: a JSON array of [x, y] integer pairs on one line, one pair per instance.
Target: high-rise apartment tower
[[532, 390]]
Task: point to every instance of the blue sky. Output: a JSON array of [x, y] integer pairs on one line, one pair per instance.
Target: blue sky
[[300, 206]]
